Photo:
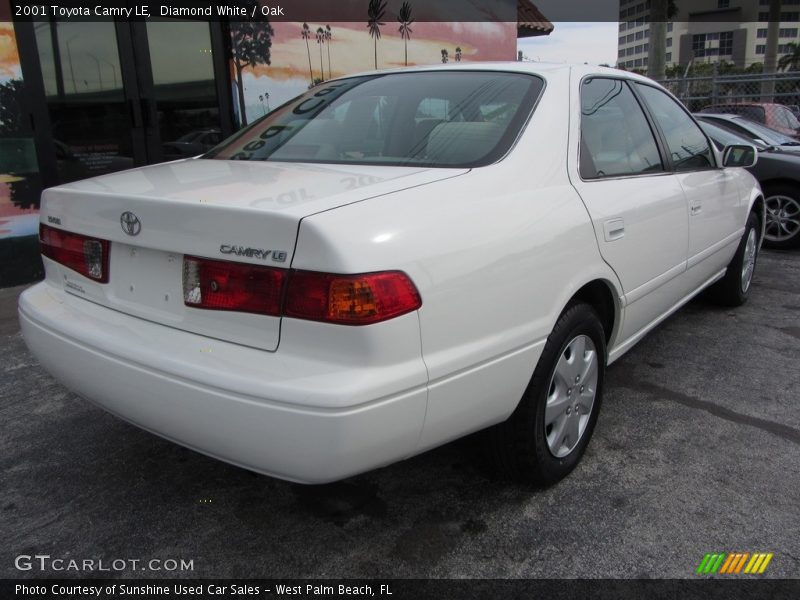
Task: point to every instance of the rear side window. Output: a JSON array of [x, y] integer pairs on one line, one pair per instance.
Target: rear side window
[[615, 136], [754, 113], [437, 119], [785, 118], [688, 146]]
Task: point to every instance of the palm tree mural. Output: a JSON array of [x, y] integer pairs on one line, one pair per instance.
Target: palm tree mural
[[458, 53], [445, 55], [375, 12], [320, 42], [306, 35], [405, 20], [328, 36], [790, 61], [251, 44]]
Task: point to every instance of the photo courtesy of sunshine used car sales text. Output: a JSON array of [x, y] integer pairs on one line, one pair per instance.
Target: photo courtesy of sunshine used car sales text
[[125, 590]]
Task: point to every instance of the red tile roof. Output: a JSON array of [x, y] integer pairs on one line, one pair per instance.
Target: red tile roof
[[530, 21]]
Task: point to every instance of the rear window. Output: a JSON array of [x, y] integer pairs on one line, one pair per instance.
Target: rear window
[[438, 119]]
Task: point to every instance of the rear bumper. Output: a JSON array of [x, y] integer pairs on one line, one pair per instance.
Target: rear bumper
[[201, 393]]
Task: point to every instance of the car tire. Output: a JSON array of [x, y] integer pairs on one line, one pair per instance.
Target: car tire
[[783, 216], [535, 444], [734, 288]]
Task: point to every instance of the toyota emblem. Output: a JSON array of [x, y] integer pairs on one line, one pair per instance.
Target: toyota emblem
[[130, 223]]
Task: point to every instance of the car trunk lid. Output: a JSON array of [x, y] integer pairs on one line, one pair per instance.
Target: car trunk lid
[[222, 210]]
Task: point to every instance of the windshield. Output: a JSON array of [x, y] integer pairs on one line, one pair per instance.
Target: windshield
[[724, 137], [439, 119]]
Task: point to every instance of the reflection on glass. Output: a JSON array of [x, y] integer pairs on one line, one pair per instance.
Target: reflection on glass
[[83, 86], [79, 58], [185, 92]]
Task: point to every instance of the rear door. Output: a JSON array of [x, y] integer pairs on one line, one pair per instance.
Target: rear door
[[637, 206]]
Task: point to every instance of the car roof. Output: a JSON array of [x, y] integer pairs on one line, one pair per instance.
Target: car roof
[[751, 103], [532, 67], [726, 116]]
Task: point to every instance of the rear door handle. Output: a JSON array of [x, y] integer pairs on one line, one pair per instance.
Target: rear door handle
[[614, 229], [695, 209]]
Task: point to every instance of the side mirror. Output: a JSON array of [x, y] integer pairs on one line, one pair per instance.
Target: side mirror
[[739, 155]]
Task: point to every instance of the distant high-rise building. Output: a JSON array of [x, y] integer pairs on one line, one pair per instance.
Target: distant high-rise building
[[706, 31]]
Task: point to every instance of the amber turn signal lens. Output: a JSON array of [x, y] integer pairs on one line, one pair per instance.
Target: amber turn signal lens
[[350, 299]]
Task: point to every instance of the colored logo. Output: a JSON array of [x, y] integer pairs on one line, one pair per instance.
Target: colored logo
[[734, 563]]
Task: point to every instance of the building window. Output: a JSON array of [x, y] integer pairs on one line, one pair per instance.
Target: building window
[[699, 45], [629, 51], [785, 16], [761, 33], [640, 35], [640, 8], [788, 32], [644, 61], [668, 57], [621, 53], [647, 33], [623, 26], [638, 49], [630, 38], [761, 49], [669, 27], [638, 62], [723, 3], [669, 42], [647, 47], [622, 39], [726, 43]]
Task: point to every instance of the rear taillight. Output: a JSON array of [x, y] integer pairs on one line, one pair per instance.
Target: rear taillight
[[350, 299], [86, 255], [226, 285], [344, 299]]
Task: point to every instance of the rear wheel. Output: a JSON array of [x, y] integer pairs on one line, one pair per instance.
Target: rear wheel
[[783, 216], [546, 436], [734, 288]]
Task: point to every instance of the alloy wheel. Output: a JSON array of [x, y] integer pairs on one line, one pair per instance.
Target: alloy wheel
[[783, 218]]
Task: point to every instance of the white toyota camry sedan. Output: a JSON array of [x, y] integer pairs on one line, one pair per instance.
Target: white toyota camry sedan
[[391, 261]]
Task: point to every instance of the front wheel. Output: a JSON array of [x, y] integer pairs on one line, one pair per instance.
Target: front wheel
[[734, 288], [546, 436]]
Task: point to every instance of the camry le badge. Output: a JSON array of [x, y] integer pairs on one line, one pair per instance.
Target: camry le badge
[[130, 223]]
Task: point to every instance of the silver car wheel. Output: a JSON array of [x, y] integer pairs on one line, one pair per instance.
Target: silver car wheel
[[749, 260], [570, 396], [783, 218]]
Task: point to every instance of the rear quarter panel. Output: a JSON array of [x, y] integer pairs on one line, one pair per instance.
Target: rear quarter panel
[[495, 253]]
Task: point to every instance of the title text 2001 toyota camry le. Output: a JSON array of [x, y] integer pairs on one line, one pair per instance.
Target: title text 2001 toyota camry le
[[392, 261]]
